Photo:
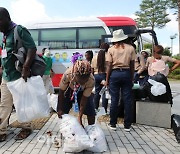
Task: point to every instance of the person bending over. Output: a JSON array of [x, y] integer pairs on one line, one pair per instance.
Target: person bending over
[[77, 81]]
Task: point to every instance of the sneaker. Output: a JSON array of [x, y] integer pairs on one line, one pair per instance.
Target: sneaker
[[112, 127], [127, 129], [107, 113], [3, 137]]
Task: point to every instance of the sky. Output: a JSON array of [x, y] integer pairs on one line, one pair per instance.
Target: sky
[[28, 12]]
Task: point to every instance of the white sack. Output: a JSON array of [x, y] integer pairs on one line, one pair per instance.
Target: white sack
[[97, 137], [53, 101], [29, 98], [76, 139]]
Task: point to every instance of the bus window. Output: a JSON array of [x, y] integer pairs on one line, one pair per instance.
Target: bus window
[[58, 38], [127, 29], [34, 34], [90, 37]]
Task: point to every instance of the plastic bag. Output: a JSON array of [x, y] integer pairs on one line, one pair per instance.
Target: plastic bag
[[157, 88], [76, 139], [101, 111], [53, 101], [29, 98], [97, 136]]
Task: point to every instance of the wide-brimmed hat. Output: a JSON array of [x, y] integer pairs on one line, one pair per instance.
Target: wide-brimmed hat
[[148, 51], [118, 35]]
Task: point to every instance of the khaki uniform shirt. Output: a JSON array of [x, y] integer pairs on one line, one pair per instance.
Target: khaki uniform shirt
[[94, 64], [119, 57], [139, 64], [68, 81]]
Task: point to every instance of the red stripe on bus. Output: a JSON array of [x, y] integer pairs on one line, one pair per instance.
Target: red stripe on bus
[[118, 21], [56, 79]]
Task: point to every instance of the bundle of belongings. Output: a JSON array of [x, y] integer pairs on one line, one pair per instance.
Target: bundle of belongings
[[77, 138], [158, 89]]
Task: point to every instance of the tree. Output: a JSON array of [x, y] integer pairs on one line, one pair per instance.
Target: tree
[[175, 4], [167, 52], [152, 14]]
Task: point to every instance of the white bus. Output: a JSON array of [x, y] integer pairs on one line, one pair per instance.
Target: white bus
[[66, 37]]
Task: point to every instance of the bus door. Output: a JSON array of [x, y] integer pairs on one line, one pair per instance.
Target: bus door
[[136, 38]]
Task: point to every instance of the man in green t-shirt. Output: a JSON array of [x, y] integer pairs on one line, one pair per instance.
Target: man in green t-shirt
[[47, 74], [9, 71]]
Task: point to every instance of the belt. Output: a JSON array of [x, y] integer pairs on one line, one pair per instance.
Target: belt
[[121, 69]]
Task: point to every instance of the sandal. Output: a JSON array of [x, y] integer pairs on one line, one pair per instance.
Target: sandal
[[3, 137], [24, 133]]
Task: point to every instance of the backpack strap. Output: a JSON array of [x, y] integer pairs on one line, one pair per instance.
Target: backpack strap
[[17, 40]]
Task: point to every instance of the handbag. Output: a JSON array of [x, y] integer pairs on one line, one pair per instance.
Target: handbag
[[38, 65]]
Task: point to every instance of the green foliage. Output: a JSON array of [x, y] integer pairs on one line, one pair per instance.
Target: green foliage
[[173, 4], [174, 76], [177, 56], [152, 14], [147, 46], [167, 52], [176, 73]]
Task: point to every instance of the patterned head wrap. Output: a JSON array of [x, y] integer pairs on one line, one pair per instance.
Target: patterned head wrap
[[81, 67]]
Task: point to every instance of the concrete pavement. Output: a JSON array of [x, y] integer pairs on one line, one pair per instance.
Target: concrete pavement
[[142, 139]]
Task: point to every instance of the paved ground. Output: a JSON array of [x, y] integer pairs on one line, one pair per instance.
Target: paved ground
[[142, 139]]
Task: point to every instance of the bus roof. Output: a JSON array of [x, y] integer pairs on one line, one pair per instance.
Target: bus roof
[[88, 22], [118, 21]]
